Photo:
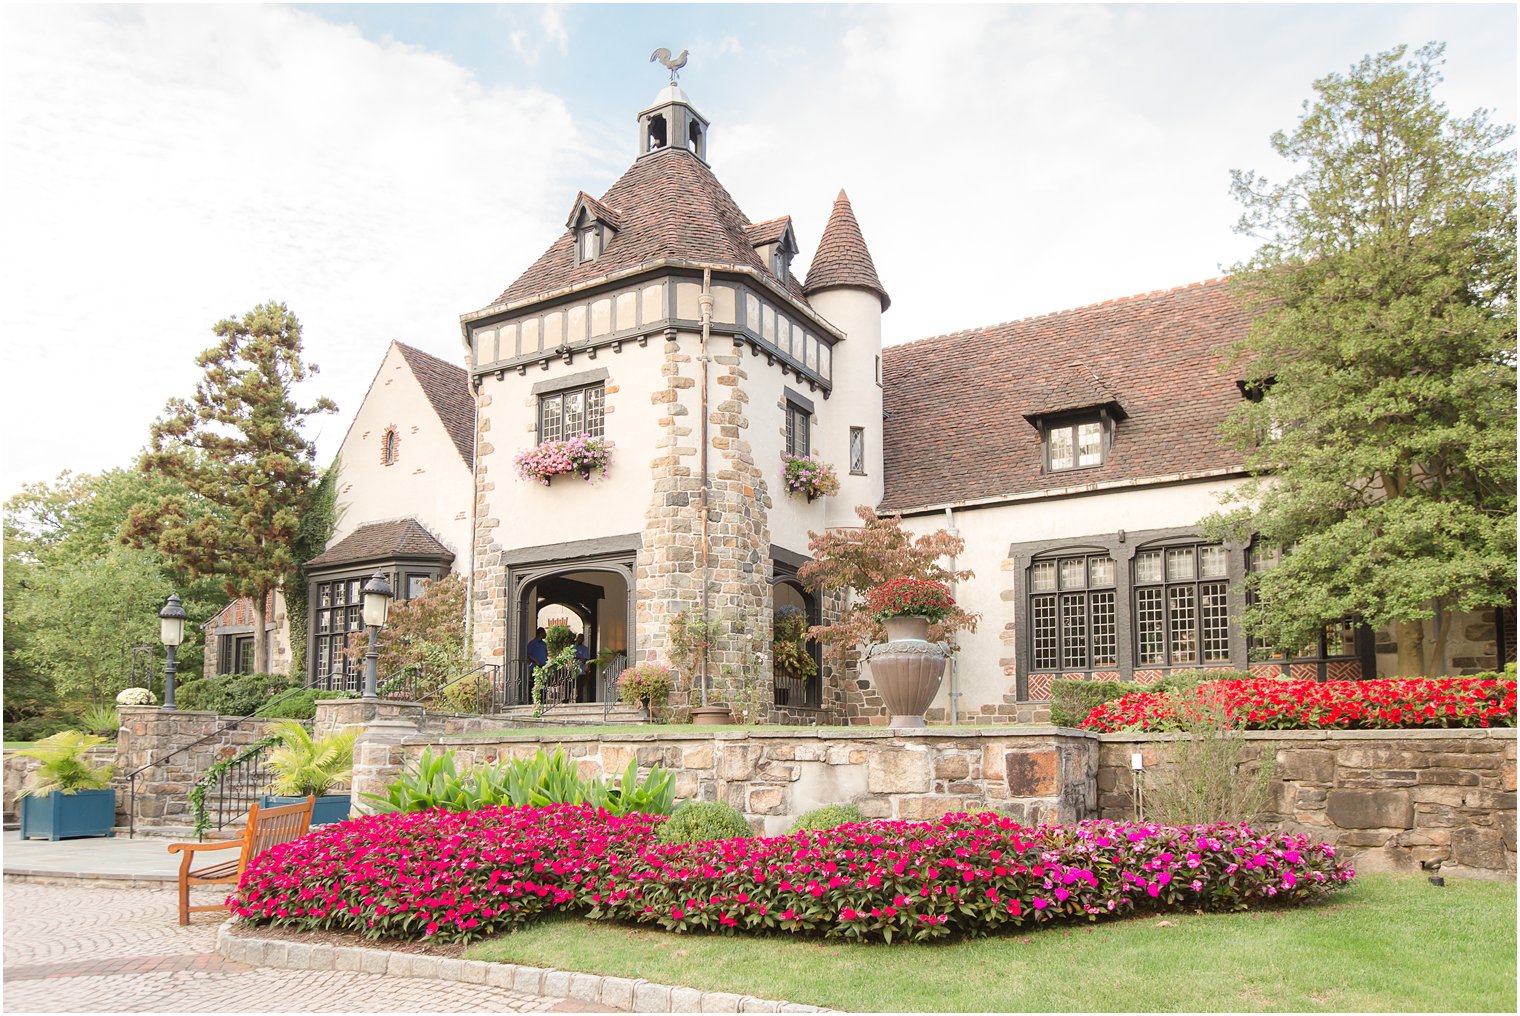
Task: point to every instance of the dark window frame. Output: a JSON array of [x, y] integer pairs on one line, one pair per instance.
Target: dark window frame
[[799, 430], [1059, 600], [1073, 423], [1218, 607], [595, 423], [1259, 652]]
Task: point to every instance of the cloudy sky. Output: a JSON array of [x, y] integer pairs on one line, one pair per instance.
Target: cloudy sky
[[384, 169]]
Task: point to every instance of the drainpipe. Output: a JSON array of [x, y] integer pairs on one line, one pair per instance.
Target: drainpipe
[[705, 302], [955, 693]]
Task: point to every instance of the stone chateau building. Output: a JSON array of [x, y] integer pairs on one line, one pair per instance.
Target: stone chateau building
[[1074, 452]]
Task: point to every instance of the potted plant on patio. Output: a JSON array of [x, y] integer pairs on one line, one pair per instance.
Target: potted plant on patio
[[305, 766], [67, 795], [907, 668], [647, 685]]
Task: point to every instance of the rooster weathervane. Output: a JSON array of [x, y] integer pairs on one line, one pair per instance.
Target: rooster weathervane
[[663, 55]]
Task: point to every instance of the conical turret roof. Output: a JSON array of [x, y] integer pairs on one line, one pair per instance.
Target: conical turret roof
[[843, 259]]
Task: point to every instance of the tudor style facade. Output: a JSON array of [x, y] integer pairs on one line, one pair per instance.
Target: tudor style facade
[[1074, 452]]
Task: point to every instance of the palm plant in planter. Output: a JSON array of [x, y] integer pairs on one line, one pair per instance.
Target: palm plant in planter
[[67, 795], [306, 766]]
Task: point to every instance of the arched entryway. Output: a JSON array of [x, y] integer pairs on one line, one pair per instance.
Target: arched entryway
[[794, 689], [592, 601]]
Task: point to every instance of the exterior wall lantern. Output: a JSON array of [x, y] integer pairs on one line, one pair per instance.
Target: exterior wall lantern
[[171, 632], [377, 604]]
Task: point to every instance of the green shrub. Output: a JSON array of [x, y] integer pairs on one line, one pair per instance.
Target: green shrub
[[232, 694], [467, 694], [300, 706], [701, 821], [102, 720], [1186, 680], [828, 817], [1071, 701]]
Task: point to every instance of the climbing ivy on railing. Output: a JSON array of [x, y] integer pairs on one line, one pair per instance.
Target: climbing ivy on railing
[[562, 661], [213, 775]]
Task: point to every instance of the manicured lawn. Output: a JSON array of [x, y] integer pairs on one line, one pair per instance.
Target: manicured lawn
[[1388, 944], [19, 744]]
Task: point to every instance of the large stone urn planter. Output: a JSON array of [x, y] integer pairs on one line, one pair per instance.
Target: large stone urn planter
[[907, 669]]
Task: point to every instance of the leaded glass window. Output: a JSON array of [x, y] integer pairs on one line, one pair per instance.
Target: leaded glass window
[[1072, 612], [1075, 445], [568, 414], [1182, 606], [798, 421], [858, 450]]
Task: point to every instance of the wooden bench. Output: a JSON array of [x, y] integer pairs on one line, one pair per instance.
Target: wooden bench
[[266, 828]]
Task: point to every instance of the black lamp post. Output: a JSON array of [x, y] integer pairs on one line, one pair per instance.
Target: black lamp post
[[171, 632], [377, 604]]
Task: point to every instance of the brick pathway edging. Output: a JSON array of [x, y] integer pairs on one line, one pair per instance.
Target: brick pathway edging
[[627, 993]]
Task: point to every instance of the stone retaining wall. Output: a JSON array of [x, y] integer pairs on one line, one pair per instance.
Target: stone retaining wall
[[1389, 799], [148, 734], [1034, 774]]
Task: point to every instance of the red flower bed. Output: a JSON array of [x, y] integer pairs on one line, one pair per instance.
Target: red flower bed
[[461, 875], [909, 597], [1267, 704]]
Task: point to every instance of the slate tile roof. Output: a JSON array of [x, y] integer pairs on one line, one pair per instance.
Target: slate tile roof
[[670, 205], [842, 258], [769, 231], [610, 216], [1073, 386], [382, 541], [955, 404], [448, 390]]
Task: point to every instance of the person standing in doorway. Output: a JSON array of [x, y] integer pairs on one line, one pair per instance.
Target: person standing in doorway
[[585, 682]]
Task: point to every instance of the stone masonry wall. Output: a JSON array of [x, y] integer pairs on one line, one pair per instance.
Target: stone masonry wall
[[148, 734], [1035, 775], [1388, 799], [737, 549]]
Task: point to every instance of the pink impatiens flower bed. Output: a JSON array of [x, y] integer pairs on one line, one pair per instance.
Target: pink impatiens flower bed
[[456, 876]]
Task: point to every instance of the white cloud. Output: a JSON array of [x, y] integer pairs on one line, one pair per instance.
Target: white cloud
[[169, 166]]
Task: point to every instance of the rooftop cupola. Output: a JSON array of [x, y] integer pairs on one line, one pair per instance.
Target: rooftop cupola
[[672, 121]]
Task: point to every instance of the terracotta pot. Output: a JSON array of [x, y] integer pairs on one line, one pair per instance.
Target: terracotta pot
[[906, 627], [907, 672], [707, 716]]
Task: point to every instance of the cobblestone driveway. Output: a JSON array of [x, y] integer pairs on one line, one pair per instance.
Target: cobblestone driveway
[[92, 948]]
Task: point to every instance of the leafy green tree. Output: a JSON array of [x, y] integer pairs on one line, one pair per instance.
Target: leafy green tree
[[236, 445], [78, 603], [318, 520], [1382, 351]]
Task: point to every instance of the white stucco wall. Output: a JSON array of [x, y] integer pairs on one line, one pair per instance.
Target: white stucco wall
[[855, 401], [989, 532], [429, 480], [570, 508]]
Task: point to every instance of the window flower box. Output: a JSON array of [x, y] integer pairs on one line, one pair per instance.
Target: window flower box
[[813, 478], [582, 454]]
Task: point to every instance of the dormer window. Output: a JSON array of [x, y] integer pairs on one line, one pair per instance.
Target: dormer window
[[781, 261], [1075, 443], [589, 244]]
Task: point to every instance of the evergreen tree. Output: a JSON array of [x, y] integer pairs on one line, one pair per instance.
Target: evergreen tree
[[1382, 358], [237, 445]]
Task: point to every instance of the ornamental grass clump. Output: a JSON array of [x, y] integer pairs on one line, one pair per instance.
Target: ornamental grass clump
[[456, 876], [1268, 704], [582, 454]]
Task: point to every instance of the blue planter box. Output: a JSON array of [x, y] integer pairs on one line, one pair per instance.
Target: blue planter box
[[62, 816], [330, 808]]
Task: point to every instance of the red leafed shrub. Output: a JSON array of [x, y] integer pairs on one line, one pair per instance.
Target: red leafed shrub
[[1267, 704], [909, 597], [461, 875]]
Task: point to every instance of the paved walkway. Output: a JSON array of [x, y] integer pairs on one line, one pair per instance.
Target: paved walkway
[[100, 948], [114, 857]]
